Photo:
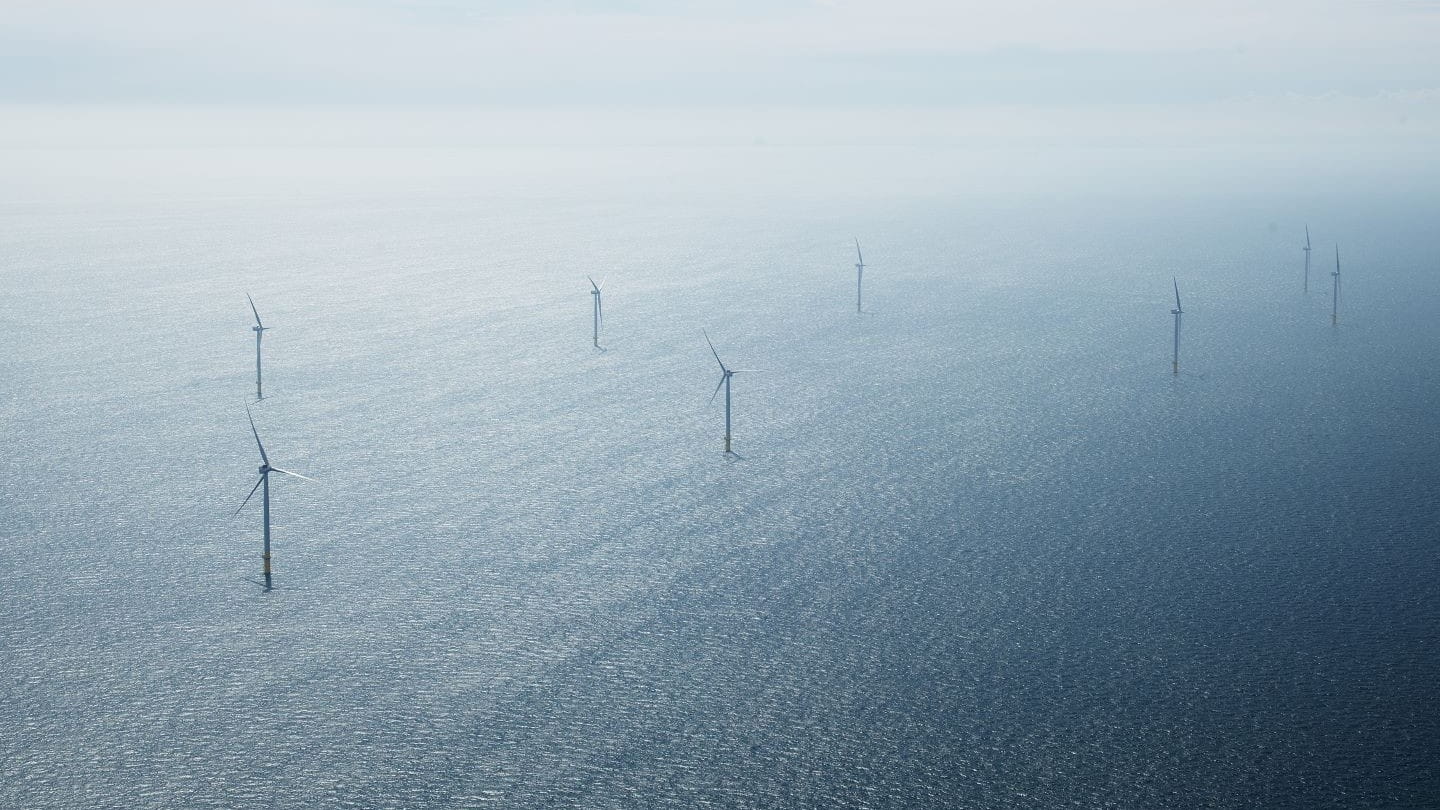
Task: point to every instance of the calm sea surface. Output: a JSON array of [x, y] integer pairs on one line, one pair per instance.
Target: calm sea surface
[[979, 548]]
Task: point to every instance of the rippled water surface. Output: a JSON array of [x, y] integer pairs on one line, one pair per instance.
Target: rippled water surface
[[979, 546]]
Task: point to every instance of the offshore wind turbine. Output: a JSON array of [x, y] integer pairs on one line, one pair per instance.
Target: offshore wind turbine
[[1335, 296], [859, 273], [259, 329], [265, 470], [725, 375], [598, 312], [1177, 312], [1307, 258]]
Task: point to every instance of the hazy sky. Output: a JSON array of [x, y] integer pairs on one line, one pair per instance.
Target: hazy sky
[[1317, 68], [925, 52]]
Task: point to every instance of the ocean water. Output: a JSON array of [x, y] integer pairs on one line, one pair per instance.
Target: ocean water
[[979, 546]]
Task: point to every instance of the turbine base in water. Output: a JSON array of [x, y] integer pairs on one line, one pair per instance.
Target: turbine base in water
[[266, 558], [1174, 368]]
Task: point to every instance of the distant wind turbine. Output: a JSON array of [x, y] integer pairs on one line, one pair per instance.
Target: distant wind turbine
[[859, 273], [265, 470], [1307, 258], [725, 375], [259, 329], [1177, 312], [1335, 296], [598, 313]]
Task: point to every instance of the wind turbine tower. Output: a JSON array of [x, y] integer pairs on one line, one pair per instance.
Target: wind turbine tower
[[859, 274], [264, 482], [259, 329], [1177, 312], [598, 312], [1335, 296], [1307, 258]]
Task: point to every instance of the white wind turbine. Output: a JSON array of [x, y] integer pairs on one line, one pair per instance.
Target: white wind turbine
[[598, 310], [725, 375], [1335, 296], [265, 470], [1307, 258], [259, 329], [859, 273], [1177, 312]]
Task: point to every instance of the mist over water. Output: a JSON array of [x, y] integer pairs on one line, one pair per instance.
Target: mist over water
[[980, 547]]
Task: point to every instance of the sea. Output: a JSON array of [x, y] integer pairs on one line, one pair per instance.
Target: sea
[[977, 545]]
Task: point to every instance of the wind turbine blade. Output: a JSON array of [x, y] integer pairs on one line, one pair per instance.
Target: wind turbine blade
[[600, 308], [263, 457], [258, 482], [1307, 235], [717, 389], [593, 284], [712, 351], [254, 310], [295, 474], [1177, 293], [858, 254]]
